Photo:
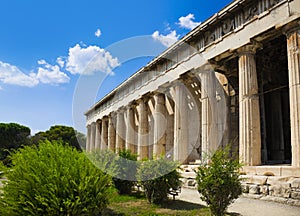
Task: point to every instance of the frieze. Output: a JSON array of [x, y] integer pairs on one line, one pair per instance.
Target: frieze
[[235, 21]]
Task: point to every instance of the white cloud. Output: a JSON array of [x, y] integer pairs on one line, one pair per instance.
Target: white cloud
[[46, 73], [51, 74], [60, 62], [10, 74], [98, 33], [91, 59], [42, 62], [166, 40], [188, 22]]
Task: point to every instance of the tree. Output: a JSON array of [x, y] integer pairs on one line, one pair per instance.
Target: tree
[[218, 182], [12, 136], [62, 133]]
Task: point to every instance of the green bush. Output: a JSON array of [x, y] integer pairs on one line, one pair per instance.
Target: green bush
[[53, 179], [157, 177], [122, 167], [218, 182], [127, 167]]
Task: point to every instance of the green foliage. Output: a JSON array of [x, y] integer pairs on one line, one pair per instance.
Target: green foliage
[[218, 182], [105, 160], [61, 133], [12, 136], [127, 167], [53, 179], [157, 177], [122, 167], [3, 169]]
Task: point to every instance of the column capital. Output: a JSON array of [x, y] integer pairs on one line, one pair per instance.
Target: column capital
[[121, 109], [104, 118], [144, 99], [250, 48], [159, 98], [131, 105], [291, 28]]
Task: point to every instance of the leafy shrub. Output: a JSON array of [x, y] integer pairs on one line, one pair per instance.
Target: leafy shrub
[[105, 160], [218, 182], [53, 179], [3, 169], [122, 167], [157, 177], [127, 167]]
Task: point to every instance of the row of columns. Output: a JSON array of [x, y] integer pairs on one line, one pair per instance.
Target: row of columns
[[177, 124], [249, 116], [145, 132]]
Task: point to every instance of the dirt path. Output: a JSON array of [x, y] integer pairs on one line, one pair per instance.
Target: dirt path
[[246, 206]]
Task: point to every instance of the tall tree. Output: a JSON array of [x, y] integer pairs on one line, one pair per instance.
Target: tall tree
[[12, 136], [64, 133]]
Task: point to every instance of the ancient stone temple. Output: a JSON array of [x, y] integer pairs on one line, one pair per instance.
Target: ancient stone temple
[[233, 79]]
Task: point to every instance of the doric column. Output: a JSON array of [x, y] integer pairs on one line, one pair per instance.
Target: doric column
[[120, 131], [170, 135], [104, 134], [249, 117], [93, 135], [129, 144], [88, 138], [181, 135], [98, 135], [208, 104], [143, 130], [111, 133], [293, 50], [160, 125]]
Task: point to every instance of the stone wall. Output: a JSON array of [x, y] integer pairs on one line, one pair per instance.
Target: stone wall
[[274, 188]]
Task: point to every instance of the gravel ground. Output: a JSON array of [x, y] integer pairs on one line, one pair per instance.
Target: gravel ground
[[246, 206]]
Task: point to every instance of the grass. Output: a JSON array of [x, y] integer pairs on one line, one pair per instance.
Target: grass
[[138, 205]]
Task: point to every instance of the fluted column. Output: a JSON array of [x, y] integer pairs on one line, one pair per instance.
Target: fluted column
[[170, 136], [249, 117], [104, 134], [98, 135], [160, 125], [143, 130], [111, 133], [208, 104], [181, 138], [129, 144], [293, 50], [88, 138], [93, 135], [120, 131]]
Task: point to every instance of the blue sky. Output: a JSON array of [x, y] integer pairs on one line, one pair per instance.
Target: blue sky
[[46, 46]]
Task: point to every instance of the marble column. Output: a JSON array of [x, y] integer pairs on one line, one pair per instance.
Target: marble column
[[93, 136], [293, 50], [160, 125], [98, 135], [104, 134], [143, 130], [209, 139], [249, 116], [181, 134], [129, 144], [120, 131], [88, 138], [111, 133]]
